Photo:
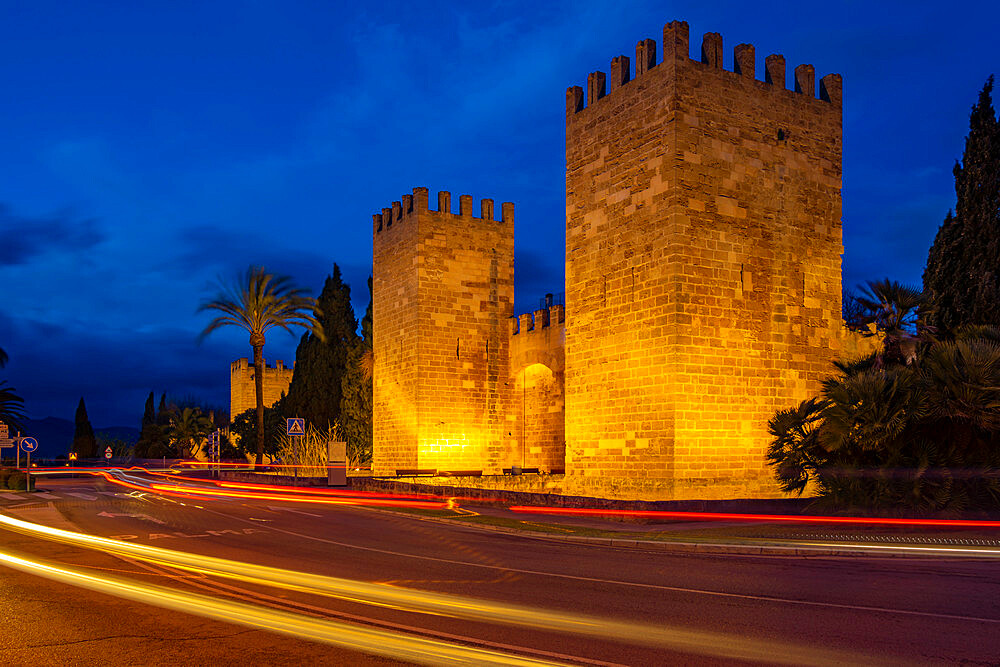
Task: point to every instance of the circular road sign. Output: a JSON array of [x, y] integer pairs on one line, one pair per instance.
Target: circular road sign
[[28, 444], [107, 453]]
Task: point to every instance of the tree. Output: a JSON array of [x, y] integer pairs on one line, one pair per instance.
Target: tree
[[244, 427], [316, 389], [962, 277], [894, 309], [84, 443], [187, 429], [11, 408], [150, 433], [852, 312], [258, 302], [3, 358], [896, 437], [356, 393]]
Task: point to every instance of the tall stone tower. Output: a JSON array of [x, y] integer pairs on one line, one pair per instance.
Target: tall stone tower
[[703, 244], [443, 296]]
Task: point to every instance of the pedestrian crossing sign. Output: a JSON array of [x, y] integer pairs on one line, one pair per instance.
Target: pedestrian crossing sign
[[295, 426]]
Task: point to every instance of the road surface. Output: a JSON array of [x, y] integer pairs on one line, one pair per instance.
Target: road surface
[[711, 609]]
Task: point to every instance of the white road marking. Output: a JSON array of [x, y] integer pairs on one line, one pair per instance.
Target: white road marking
[[144, 517], [632, 584], [11, 496], [85, 496], [287, 509]]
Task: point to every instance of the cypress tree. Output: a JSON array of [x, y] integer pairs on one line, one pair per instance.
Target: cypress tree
[[150, 433], [961, 278], [163, 412], [356, 389], [84, 442], [315, 391]]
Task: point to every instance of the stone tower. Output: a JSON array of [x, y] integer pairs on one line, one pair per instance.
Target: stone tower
[[443, 296], [242, 392], [703, 244]]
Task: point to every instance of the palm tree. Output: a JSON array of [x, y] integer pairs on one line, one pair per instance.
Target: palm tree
[[257, 302], [894, 309], [3, 358], [187, 428], [11, 408]]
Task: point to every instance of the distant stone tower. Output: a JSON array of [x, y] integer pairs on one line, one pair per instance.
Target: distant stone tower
[[242, 394], [443, 296], [703, 244]]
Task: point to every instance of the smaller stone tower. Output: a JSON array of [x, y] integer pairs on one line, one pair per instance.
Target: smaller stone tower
[[443, 296], [241, 385]]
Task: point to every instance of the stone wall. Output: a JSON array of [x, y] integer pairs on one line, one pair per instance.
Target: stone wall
[[537, 370], [703, 244], [443, 294], [242, 394]]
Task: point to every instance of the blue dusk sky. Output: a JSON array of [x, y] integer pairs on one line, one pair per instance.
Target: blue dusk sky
[[151, 147]]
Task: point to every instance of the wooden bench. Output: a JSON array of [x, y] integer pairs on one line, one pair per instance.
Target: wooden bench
[[509, 471], [460, 473], [414, 472]]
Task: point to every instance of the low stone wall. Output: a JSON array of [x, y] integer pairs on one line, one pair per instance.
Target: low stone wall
[[529, 489], [485, 490], [266, 478]]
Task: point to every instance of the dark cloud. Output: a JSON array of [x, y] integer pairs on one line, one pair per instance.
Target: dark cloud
[[52, 367], [24, 238]]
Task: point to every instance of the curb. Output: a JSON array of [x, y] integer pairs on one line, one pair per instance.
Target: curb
[[722, 548]]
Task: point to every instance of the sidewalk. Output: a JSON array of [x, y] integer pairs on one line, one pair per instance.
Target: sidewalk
[[720, 535]]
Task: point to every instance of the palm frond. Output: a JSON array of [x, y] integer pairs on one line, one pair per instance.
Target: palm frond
[[11, 408]]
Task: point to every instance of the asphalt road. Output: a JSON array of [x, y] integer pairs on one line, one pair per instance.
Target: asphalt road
[[861, 610]]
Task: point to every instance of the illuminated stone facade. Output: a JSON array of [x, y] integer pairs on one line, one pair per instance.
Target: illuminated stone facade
[[703, 288], [242, 396], [537, 374], [703, 245], [443, 297]]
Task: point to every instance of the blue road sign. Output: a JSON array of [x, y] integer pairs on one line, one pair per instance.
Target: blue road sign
[[295, 426], [28, 444]]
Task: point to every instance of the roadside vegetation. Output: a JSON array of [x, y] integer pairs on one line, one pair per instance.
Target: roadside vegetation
[[915, 426]]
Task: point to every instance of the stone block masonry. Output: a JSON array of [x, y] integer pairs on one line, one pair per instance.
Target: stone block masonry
[[443, 296], [242, 395], [537, 370], [703, 258]]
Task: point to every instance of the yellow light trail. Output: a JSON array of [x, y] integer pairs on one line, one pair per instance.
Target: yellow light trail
[[345, 635], [443, 604]]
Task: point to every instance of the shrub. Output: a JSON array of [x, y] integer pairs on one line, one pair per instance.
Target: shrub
[[17, 481]]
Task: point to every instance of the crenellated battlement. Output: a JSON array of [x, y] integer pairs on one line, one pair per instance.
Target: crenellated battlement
[[538, 320], [242, 391], [244, 363], [676, 47], [420, 201]]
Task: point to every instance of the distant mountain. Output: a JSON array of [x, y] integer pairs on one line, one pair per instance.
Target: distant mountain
[[55, 435]]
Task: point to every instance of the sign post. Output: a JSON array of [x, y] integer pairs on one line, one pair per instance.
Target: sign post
[[5, 439], [28, 445], [295, 427], [214, 454]]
